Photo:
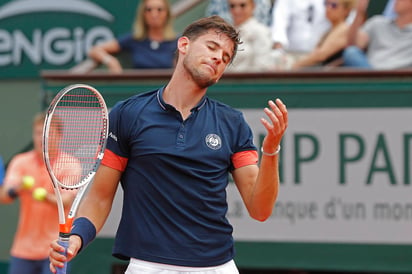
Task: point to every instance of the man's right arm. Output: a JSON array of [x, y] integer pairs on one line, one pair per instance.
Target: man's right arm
[[95, 207], [97, 203], [356, 37]]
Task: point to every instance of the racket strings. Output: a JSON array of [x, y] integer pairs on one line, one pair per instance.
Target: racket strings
[[76, 131]]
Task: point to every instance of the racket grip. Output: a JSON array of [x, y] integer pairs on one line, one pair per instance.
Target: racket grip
[[65, 243]]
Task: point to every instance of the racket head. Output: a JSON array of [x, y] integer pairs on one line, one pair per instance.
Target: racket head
[[75, 132]]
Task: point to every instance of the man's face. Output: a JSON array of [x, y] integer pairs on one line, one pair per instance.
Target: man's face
[[403, 6], [207, 57]]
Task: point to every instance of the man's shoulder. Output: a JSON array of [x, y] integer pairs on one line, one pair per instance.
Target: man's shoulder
[[24, 157], [223, 107], [377, 25], [378, 20]]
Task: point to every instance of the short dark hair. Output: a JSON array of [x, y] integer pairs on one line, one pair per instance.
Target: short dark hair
[[214, 22]]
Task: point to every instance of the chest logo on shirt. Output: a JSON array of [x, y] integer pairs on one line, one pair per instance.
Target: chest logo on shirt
[[213, 141]]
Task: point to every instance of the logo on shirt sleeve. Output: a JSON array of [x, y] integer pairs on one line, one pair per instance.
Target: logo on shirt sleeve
[[213, 141], [114, 137]]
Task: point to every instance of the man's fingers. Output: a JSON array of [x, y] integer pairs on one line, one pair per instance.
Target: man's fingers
[[278, 116]]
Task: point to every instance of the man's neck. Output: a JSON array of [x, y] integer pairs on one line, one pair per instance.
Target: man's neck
[[403, 20], [183, 94]]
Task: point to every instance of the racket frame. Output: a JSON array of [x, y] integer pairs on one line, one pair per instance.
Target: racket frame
[[66, 224]]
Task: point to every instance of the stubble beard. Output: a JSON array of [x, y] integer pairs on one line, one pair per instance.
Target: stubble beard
[[200, 78]]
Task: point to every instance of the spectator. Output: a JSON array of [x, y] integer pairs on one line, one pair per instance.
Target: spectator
[[152, 43], [297, 26], [256, 44], [262, 10], [381, 43], [331, 46], [38, 217]]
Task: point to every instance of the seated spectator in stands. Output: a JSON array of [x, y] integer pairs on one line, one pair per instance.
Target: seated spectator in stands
[[220, 7], [152, 44], [297, 26], [254, 52], [381, 43], [330, 48]]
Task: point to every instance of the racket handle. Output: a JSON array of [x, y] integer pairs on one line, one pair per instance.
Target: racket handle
[[65, 243]]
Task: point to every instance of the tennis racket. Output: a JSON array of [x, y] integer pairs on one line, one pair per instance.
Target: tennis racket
[[74, 138]]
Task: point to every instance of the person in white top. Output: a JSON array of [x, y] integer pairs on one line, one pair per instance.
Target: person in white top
[[297, 26], [254, 53], [262, 10], [329, 50]]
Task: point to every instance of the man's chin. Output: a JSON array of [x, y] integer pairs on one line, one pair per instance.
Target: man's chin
[[208, 83], [204, 81]]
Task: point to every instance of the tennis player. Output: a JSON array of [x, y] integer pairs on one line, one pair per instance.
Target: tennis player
[[173, 149]]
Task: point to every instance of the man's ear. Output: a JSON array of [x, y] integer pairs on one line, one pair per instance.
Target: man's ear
[[183, 44]]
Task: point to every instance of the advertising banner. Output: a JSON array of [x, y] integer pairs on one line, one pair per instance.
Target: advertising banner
[[50, 34], [345, 179]]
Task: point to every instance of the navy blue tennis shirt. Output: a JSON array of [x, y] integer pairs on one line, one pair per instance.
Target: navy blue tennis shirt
[[175, 174]]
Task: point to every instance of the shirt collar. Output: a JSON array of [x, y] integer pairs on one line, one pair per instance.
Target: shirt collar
[[407, 27], [166, 106]]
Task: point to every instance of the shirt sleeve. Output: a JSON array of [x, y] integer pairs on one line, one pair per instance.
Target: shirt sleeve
[[117, 148], [245, 158], [372, 25], [125, 41], [245, 152], [114, 161]]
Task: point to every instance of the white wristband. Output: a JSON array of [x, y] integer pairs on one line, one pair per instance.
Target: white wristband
[[270, 154]]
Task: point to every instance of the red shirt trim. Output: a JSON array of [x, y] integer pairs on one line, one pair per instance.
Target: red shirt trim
[[245, 158], [114, 161]]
